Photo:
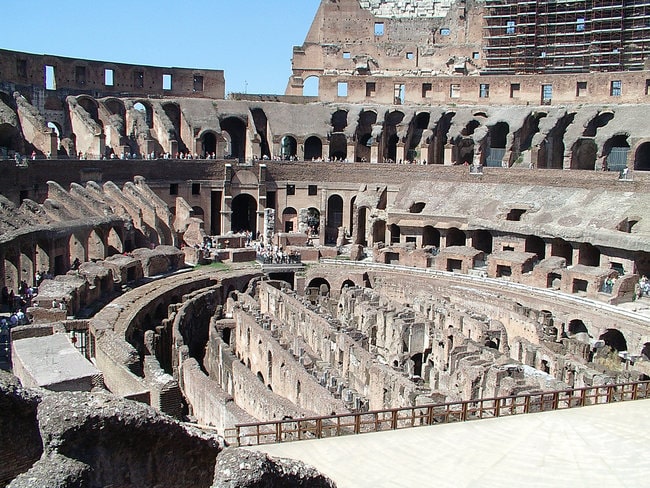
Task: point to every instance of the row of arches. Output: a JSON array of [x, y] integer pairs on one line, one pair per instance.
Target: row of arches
[[21, 259]]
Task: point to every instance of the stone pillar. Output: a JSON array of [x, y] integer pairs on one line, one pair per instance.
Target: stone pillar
[[449, 154], [401, 152], [374, 153], [101, 145], [350, 153], [54, 145], [173, 147], [576, 255]]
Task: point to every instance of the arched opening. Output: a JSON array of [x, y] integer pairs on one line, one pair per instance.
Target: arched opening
[[536, 245], [261, 126], [334, 218], [313, 221], [289, 219], [347, 284], [363, 135], [288, 147], [173, 112], [96, 246], [583, 155], [115, 245], [244, 213], [498, 136], [482, 241], [439, 139], [389, 135], [395, 234], [430, 236], [198, 212], [318, 287], [420, 124], [577, 326], [338, 147], [588, 255], [617, 149], [209, 143], [313, 148], [455, 237], [236, 129], [378, 230], [563, 249], [310, 86], [615, 339], [642, 157], [91, 106], [600, 120], [339, 121], [146, 111]]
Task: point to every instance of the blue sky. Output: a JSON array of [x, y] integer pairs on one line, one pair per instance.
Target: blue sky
[[251, 40]]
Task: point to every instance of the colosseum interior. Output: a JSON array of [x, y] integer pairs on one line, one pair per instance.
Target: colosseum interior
[[453, 217]]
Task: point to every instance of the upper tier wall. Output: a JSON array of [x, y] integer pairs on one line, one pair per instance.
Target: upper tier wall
[[101, 78]]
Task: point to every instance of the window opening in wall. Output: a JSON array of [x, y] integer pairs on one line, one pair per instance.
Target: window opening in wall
[[579, 286], [508, 248], [198, 83], [454, 91], [515, 88], [411, 239], [346, 55], [510, 27], [371, 88], [342, 89], [615, 88], [581, 88], [476, 55], [515, 214], [580, 24], [445, 31], [196, 188], [312, 190], [50, 79], [138, 79], [547, 94], [167, 82], [291, 189], [21, 68], [409, 55], [173, 188], [503, 271], [399, 93], [379, 28], [426, 89], [647, 87], [108, 77], [484, 90], [80, 75]]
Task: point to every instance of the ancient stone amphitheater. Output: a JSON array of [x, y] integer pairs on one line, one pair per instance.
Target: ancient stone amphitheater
[[215, 264]]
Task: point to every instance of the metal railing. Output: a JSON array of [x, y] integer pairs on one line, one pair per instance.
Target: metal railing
[[434, 414]]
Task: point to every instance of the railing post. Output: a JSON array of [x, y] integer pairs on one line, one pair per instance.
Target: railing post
[[393, 420], [319, 428], [497, 409], [238, 434], [527, 403], [430, 415], [583, 397], [278, 432], [357, 423], [463, 415], [610, 393]]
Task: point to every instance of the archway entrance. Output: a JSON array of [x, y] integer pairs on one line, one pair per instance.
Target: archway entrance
[[209, 143], [288, 147], [236, 129], [244, 213]]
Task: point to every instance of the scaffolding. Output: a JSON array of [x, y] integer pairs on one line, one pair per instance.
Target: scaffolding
[[565, 36]]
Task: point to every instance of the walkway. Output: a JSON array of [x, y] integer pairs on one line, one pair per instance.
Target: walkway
[[603, 445]]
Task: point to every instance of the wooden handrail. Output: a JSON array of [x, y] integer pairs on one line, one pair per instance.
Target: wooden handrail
[[431, 414]]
